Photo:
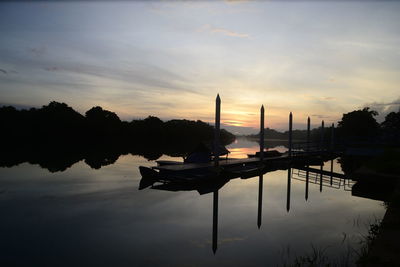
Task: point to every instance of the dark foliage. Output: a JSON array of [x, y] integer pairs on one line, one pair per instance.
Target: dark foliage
[[359, 123], [299, 135], [391, 127], [56, 136]]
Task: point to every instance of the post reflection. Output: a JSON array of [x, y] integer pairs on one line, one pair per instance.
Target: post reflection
[[260, 196], [331, 171], [288, 189], [307, 182], [215, 222], [320, 177]]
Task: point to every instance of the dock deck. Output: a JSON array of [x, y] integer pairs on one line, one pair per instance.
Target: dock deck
[[222, 163]]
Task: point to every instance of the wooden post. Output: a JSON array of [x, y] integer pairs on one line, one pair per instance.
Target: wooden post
[[322, 136], [290, 133], [262, 133], [308, 134], [217, 129]]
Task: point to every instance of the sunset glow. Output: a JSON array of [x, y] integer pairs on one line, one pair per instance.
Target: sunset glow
[[170, 59]]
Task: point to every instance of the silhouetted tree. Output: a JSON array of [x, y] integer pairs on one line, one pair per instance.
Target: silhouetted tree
[[57, 121], [55, 136], [103, 123], [359, 123], [391, 127], [392, 121]]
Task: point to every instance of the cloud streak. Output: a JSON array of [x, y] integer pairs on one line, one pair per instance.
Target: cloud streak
[[211, 29], [384, 108]]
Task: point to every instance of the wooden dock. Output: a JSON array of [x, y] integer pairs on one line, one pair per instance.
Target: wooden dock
[[228, 163], [225, 163], [306, 154]]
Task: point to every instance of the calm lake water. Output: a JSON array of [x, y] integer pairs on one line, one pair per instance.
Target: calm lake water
[[83, 217]]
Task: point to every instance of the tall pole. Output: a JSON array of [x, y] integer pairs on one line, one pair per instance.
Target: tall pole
[[290, 133], [262, 133], [217, 129], [308, 134]]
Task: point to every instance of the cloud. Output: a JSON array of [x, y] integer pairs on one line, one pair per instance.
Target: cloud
[[212, 29], [38, 51], [52, 68], [384, 108], [320, 116], [236, 1], [3, 71], [145, 75]]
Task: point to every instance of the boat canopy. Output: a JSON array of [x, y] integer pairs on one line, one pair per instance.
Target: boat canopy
[[204, 152]]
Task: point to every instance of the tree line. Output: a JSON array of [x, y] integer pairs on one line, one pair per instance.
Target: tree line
[[357, 125], [59, 123], [56, 136]]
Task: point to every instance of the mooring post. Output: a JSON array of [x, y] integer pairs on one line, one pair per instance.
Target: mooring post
[[290, 133], [308, 134], [332, 137], [262, 133], [322, 135], [217, 129]]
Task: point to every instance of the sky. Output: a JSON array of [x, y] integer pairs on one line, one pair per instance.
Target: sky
[[171, 58]]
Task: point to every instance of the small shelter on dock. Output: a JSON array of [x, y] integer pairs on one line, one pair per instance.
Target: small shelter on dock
[[204, 152]]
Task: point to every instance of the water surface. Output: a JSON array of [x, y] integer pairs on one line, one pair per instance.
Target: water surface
[[84, 216]]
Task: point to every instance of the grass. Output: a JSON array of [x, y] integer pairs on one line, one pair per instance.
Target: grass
[[318, 257]]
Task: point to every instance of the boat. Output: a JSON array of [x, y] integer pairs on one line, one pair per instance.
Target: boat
[[266, 154]]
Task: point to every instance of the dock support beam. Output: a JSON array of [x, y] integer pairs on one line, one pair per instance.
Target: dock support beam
[[290, 133], [262, 133], [217, 129]]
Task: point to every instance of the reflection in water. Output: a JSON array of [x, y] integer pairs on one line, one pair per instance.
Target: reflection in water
[[307, 182], [260, 197], [164, 228], [289, 182], [320, 178], [215, 222], [331, 171]]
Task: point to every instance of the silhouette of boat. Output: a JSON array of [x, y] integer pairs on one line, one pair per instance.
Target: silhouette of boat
[[266, 154]]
